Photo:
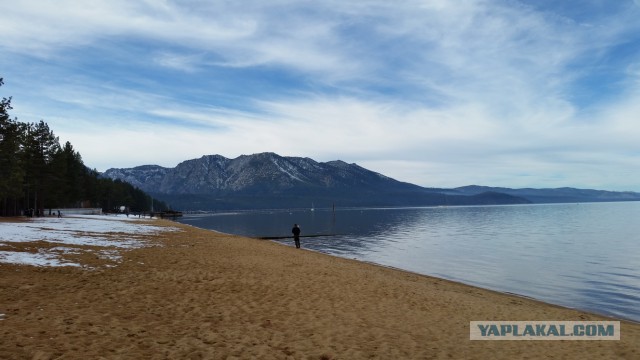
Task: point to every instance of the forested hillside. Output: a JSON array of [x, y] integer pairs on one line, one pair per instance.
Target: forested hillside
[[37, 173]]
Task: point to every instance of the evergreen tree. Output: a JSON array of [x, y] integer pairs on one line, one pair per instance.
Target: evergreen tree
[[68, 173], [11, 167], [41, 145]]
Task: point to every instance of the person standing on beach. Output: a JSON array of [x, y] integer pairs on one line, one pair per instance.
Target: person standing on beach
[[296, 235]]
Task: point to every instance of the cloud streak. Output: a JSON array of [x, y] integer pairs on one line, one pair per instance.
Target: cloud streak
[[437, 93]]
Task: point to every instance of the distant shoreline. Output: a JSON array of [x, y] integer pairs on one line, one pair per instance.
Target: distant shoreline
[[347, 208]]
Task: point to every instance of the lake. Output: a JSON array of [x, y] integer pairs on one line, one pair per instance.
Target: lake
[[584, 256]]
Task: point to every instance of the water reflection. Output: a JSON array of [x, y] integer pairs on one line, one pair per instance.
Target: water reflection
[[582, 256]]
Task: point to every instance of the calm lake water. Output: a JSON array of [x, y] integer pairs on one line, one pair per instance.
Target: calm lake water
[[584, 256]]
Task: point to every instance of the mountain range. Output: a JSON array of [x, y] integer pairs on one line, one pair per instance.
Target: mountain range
[[271, 181]]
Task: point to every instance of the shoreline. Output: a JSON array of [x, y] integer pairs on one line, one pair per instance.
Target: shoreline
[[507, 293], [198, 293], [554, 264]]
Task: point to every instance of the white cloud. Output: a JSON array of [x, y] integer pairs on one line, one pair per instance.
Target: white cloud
[[48, 25], [177, 61]]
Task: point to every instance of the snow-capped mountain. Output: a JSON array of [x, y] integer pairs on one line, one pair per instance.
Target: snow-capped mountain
[[267, 180], [251, 173]]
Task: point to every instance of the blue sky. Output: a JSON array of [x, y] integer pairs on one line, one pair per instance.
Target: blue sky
[[438, 93]]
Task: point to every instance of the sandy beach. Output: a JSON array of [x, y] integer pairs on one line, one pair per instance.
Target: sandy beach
[[190, 293]]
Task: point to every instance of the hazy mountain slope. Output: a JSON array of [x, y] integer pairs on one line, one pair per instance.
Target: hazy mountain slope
[[558, 195]]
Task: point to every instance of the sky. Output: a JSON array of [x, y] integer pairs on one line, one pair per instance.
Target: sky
[[438, 93]]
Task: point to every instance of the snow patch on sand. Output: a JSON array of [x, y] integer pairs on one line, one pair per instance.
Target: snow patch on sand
[[112, 233], [41, 258]]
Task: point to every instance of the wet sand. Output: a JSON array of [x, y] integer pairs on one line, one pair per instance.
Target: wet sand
[[205, 295]]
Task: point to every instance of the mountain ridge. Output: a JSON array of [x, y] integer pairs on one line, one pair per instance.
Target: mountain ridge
[[268, 180]]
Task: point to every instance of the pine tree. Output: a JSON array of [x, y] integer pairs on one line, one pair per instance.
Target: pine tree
[[11, 167], [67, 173], [41, 147]]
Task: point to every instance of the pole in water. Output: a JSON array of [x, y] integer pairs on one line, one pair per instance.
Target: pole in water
[[333, 218]]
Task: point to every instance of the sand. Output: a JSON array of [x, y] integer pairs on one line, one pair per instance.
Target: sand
[[205, 295]]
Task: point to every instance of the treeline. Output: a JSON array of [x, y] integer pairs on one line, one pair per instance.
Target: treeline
[[37, 174]]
